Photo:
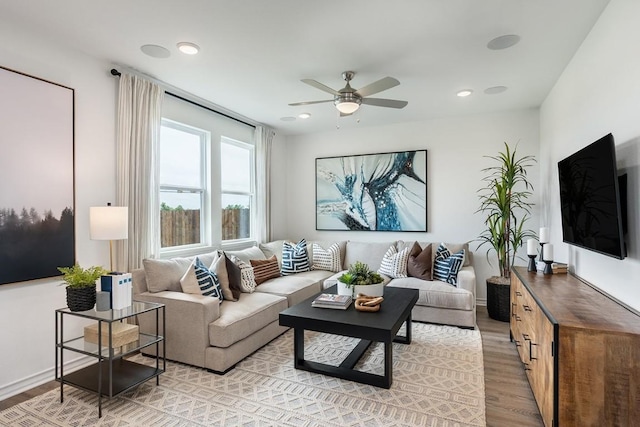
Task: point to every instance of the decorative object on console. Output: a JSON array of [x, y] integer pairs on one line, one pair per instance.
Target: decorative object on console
[[334, 301], [503, 200], [374, 192], [37, 173], [547, 257], [532, 252], [394, 263], [109, 223], [295, 258], [361, 279], [119, 287], [81, 286]]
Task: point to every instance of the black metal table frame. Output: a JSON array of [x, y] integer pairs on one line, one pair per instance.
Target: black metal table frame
[[345, 369]]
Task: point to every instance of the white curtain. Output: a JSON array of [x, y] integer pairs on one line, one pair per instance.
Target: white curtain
[[137, 172], [263, 140]]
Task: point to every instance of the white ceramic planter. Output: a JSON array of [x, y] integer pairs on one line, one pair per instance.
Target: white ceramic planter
[[343, 289], [376, 290]]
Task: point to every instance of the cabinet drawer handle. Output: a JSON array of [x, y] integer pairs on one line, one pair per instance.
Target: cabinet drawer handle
[[531, 344], [526, 307], [513, 309], [517, 343], [526, 337], [518, 293], [526, 366], [518, 318]]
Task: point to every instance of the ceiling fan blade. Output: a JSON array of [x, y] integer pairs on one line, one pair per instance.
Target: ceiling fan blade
[[309, 102], [320, 86], [379, 86], [379, 102]]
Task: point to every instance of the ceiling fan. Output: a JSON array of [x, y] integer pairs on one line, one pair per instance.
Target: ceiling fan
[[347, 100]]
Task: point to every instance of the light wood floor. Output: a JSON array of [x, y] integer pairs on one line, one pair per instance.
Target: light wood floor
[[508, 396]]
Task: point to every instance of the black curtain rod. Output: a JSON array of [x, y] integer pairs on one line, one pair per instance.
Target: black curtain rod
[[117, 73]]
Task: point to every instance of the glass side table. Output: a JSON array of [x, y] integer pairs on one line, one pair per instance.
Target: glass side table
[[112, 373]]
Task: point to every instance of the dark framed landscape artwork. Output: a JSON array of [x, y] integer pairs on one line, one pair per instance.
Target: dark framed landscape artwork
[[36, 177], [372, 192]]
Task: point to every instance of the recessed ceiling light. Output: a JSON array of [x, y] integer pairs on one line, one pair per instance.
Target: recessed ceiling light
[[464, 92], [287, 119], [188, 48], [155, 51], [495, 90], [503, 42], [304, 115]]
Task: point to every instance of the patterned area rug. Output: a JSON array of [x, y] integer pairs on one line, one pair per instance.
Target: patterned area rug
[[438, 380]]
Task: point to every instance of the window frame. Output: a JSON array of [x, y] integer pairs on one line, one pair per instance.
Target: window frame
[[204, 190], [251, 148]]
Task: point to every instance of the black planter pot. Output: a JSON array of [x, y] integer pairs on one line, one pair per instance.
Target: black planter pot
[[81, 299], [499, 300]]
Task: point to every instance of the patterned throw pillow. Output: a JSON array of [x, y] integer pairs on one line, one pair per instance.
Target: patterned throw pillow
[[394, 263], [247, 278], [265, 269], [327, 259], [446, 265], [294, 257], [201, 281]]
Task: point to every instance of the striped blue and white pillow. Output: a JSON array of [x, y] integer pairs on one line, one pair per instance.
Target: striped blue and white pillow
[[329, 259], [446, 265], [394, 263], [294, 257]]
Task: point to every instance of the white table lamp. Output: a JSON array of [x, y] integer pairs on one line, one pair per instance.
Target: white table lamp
[[109, 223]]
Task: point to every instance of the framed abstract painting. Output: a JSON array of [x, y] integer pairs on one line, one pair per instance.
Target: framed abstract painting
[[372, 192], [36, 177]]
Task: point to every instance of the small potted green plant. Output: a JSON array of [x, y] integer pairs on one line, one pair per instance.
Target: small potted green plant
[[360, 279], [81, 286]]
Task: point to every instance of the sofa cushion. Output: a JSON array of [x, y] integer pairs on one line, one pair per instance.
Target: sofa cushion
[[446, 265], [273, 248], [294, 257], [247, 254], [420, 262], [370, 253], [437, 294], [240, 319], [329, 259], [394, 263], [199, 280], [295, 288], [235, 277], [165, 274], [247, 279], [219, 266], [265, 269]]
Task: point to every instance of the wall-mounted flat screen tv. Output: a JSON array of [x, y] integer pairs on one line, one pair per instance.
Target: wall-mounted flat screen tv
[[590, 201]]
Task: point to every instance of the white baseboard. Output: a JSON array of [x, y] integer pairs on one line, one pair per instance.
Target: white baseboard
[[481, 301], [42, 377]]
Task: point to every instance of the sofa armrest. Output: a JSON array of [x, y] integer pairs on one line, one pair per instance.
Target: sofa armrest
[[467, 279], [187, 323]]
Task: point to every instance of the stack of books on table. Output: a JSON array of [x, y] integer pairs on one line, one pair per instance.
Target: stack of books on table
[[559, 268], [339, 302]]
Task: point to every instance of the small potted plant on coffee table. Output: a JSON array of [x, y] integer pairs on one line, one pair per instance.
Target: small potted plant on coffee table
[[81, 286], [360, 279]]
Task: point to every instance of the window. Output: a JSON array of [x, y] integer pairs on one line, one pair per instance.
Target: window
[[237, 167], [182, 184]]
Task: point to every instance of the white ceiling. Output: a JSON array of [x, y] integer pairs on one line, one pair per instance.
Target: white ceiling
[[254, 52]]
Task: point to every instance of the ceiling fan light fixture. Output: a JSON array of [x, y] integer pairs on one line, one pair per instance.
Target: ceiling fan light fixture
[[347, 107], [464, 93]]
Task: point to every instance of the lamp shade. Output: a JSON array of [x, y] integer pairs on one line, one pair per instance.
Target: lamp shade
[[347, 107], [108, 223]]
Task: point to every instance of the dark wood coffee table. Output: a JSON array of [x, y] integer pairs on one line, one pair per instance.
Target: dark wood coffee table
[[381, 326]]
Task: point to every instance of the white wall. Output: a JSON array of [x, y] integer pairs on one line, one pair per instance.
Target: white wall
[[27, 309], [598, 93], [456, 147]]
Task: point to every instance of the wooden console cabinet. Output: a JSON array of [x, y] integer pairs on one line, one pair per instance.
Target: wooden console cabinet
[[580, 350]]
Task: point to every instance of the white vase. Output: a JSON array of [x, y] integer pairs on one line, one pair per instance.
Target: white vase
[[376, 290], [343, 289]]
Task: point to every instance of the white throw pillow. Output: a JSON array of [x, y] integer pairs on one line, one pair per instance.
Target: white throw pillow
[[394, 263], [327, 259]]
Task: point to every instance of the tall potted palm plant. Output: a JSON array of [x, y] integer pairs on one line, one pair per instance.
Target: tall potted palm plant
[[504, 202]]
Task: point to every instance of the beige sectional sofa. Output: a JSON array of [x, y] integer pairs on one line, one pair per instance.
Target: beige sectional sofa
[[206, 332]]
